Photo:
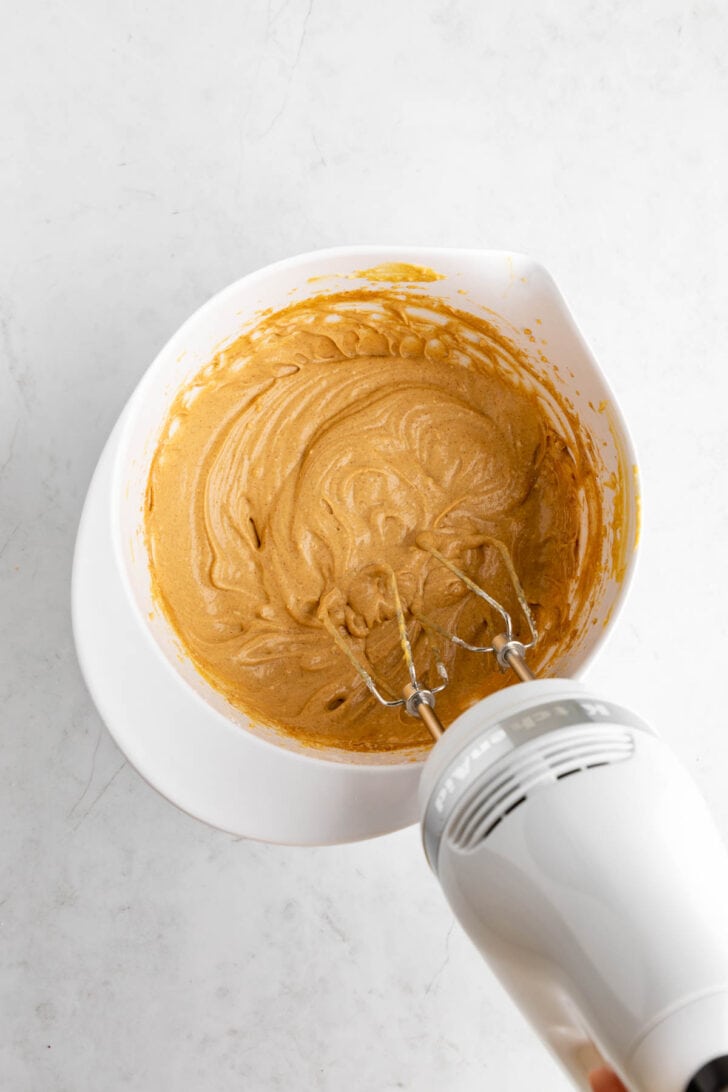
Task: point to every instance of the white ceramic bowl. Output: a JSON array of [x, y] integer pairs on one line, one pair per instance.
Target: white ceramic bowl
[[179, 733]]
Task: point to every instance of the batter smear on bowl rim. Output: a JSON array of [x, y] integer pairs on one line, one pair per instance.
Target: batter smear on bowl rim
[[311, 458]]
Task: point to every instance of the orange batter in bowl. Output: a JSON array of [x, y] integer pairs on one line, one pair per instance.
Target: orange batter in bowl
[[308, 457]]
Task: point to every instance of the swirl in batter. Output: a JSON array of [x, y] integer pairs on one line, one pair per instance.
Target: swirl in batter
[[303, 463]]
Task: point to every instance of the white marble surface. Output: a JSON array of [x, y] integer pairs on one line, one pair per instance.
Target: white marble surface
[[153, 153]]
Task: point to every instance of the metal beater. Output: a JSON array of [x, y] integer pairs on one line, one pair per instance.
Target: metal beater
[[418, 698]]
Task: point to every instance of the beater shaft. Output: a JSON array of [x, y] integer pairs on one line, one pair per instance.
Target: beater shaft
[[414, 699], [511, 654]]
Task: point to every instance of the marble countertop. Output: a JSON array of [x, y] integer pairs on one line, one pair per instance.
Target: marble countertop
[[154, 153]]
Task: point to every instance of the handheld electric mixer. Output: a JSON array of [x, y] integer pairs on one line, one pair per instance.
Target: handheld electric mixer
[[600, 900]]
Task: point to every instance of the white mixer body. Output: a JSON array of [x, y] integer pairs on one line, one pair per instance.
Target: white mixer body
[[581, 859]]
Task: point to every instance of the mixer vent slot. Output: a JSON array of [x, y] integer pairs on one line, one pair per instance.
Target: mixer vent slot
[[530, 768]]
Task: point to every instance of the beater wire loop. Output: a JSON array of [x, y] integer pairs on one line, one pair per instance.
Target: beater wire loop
[[376, 687], [483, 594]]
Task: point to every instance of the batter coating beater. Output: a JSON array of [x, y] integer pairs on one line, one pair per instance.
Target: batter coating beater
[[300, 467]]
